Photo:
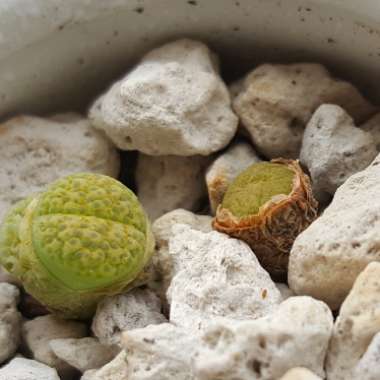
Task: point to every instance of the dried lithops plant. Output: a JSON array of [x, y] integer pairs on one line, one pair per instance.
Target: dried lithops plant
[[267, 206], [85, 237]]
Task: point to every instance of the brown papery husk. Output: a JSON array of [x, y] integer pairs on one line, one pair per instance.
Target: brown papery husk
[[271, 232]]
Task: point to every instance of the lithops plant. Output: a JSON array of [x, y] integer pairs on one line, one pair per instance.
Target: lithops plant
[[267, 206], [85, 237]]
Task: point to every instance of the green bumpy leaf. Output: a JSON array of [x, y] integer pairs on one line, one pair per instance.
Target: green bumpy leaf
[[257, 185], [87, 236]]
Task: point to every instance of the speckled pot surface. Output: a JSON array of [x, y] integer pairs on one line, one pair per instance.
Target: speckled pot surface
[[56, 54]]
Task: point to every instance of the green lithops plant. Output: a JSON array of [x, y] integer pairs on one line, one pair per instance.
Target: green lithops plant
[[85, 237], [267, 206]]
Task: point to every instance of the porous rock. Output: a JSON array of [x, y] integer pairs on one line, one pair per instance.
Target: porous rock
[[295, 335], [166, 183], [328, 256], [216, 276], [300, 374], [276, 101], [368, 367], [173, 102], [333, 149], [135, 309], [356, 325], [159, 352], [37, 151], [117, 369], [84, 353], [224, 170], [10, 321], [162, 230], [38, 332], [25, 369]]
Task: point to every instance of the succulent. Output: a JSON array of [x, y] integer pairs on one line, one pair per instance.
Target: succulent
[[267, 206], [85, 237]]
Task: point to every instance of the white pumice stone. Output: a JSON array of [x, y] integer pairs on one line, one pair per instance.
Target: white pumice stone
[[25, 369], [333, 148], [84, 353], [276, 101], [160, 352], [368, 367], [136, 309], [117, 369], [36, 151], [300, 374], [328, 256], [10, 321], [216, 276], [226, 168], [166, 183], [172, 103], [356, 326], [295, 335], [37, 334], [162, 230]]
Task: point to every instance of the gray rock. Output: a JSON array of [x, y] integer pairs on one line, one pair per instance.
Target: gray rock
[[333, 149], [295, 335], [166, 183], [135, 309], [276, 102], [37, 334], [25, 369], [10, 321], [173, 102], [37, 151], [216, 276], [328, 256], [84, 353], [159, 352]]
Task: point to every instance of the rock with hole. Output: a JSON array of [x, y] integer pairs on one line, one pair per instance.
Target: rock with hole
[[295, 335], [328, 256], [162, 261], [36, 151], [216, 276], [135, 309], [172, 103], [276, 102]]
